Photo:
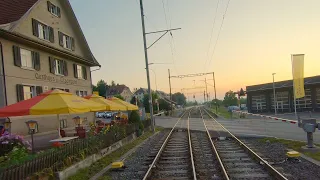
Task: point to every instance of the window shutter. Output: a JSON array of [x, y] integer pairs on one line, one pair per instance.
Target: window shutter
[[60, 34], [65, 68], [39, 90], [77, 93], [59, 12], [36, 60], [75, 70], [49, 5], [52, 64], [51, 34], [35, 27], [72, 44], [53, 88], [84, 72], [16, 56], [20, 94]]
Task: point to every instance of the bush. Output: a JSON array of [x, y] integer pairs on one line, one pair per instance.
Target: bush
[[134, 117], [9, 141], [141, 126]]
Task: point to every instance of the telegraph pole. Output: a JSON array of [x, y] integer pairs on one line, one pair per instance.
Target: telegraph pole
[[215, 92], [147, 66], [170, 90], [205, 81]]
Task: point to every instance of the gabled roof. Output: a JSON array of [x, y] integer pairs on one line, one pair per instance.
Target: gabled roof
[[13, 10], [115, 90], [141, 90], [282, 84]]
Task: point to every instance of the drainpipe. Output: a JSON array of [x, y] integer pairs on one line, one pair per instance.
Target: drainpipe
[[91, 77], [4, 75]]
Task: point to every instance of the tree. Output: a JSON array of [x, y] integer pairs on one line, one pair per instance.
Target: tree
[[133, 101], [217, 102], [102, 88], [243, 100], [94, 87], [164, 105], [230, 99], [146, 101], [179, 98], [113, 83], [120, 97]]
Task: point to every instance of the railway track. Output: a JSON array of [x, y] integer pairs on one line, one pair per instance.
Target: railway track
[[237, 160], [174, 160]]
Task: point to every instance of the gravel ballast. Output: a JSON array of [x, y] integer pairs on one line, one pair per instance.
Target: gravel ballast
[[275, 154], [136, 163]]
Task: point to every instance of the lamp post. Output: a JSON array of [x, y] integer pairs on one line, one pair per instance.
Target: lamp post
[[7, 126], [32, 125], [274, 95], [77, 120]]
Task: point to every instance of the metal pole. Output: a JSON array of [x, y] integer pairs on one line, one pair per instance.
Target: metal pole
[[147, 65], [170, 90], [215, 93], [32, 143], [205, 80], [204, 96], [274, 96], [294, 97]]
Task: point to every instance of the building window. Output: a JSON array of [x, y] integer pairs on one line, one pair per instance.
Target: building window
[[63, 123], [59, 67], [25, 92], [42, 31], [81, 93], [53, 9], [66, 41], [26, 59], [80, 72], [62, 89], [29, 92]]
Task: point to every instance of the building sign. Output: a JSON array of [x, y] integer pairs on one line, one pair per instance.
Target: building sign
[[55, 79]]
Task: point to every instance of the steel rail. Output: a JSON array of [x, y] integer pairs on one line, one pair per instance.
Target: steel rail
[[276, 174], [190, 150], [148, 173], [225, 174]]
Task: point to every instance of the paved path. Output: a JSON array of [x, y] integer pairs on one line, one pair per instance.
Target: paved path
[[250, 126]]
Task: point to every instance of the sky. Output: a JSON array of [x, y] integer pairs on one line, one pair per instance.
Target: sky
[[256, 39]]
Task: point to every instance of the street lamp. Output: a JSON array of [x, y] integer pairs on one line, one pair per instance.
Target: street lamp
[[32, 125], [7, 126], [274, 95], [77, 120]]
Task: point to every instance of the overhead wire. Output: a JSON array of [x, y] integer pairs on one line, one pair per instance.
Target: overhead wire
[[170, 41], [213, 25], [214, 48]]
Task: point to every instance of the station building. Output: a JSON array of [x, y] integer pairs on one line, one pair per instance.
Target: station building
[[260, 98], [42, 47]]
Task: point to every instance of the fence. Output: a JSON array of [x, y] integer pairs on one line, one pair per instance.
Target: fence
[[57, 159]]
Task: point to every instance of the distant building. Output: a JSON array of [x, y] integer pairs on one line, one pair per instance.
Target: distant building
[[260, 97], [122, 90], [139, 94], [42, 47]]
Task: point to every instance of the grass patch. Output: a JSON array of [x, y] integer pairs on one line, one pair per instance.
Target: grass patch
[[295, 145], [222, 111], [90, 171]]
